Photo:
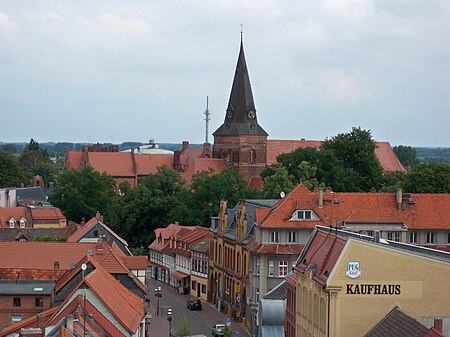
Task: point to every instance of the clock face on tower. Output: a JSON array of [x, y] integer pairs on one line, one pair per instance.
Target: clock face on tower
[[251, 114]]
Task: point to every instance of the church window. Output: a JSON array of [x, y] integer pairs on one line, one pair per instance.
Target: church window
[[251, 156]]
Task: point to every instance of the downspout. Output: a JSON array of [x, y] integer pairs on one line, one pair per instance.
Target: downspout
[[329, 306]]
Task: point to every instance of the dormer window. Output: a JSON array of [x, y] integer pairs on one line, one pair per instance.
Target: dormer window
[[304, 215], [22, 223], [156, 240]]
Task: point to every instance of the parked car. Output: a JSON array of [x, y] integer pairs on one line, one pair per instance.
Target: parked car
[[218, 330], [194, 304]]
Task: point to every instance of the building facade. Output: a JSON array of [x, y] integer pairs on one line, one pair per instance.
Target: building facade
[[199, 269]]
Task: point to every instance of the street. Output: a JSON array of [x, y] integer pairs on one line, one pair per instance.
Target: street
[[201, 322]]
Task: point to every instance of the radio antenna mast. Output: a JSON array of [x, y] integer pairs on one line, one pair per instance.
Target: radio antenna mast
[[207, 119]]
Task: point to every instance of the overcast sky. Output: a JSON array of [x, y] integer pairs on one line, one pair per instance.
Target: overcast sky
[[105, 71]]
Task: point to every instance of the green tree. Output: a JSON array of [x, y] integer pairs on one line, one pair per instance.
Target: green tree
[[356, 150], [81, 193], [137, 213], [276, 179], [407, 156], [36, 160], [184, 328], [428, 178], [11, 174]]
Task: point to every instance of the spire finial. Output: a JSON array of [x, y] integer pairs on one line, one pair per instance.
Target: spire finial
[[242, 31]]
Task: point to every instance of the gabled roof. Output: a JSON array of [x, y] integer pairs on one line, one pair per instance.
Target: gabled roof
[[16, 213], [237, 121], [30, 322], [418, 211], [135, 262], [113, 163], [80, 233], [277, 293], [46, 213], [42, 255], [398, 324]]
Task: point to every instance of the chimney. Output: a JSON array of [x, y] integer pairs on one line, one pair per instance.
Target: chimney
[[83, 222], [320, 197], [185, 144], [97, 216], [177, 160], [101, 219], [99, 246], [207, 146], [69, 322], [399, 198]]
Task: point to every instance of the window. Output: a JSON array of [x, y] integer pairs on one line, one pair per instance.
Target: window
[[370, 233], [204, 288], [274, 236], [413, 237], [393, 236], [16, 318], [271, 267], [282, 268], [257, 295], [16, 302], [257, 267], [11, 223], [431, 237], [56, 265], [448, 237], [251, 156], [96, 235], [304, 215], [22, 223], [397, 236], [194, 285], [292, 236], [39, 302]]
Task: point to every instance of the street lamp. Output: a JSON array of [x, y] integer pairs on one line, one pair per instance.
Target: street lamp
[[158, 294], [169, 318]]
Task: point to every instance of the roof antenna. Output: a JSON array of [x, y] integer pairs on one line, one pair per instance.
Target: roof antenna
[[207, 119]]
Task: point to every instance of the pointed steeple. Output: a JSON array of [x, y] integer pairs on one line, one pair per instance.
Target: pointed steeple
[[240, 118]]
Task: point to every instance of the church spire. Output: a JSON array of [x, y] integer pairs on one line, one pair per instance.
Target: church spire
[[240, 118]]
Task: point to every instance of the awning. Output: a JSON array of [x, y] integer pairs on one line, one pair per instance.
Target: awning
[[178, 275]]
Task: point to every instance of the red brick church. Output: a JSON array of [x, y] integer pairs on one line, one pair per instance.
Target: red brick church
[[240, 141]]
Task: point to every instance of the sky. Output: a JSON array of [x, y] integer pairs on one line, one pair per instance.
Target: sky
[[129, 70]]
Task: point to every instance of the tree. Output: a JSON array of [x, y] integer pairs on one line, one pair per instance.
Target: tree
[[81, 193], [37, 161], [276, 179], [184, 328], [137, 213], [11, 174], [428, 178], [407, 156], [356, 150]]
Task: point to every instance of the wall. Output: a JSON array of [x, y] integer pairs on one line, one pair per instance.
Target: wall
[[27, 307]]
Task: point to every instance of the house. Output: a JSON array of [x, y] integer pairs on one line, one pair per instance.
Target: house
[[340, 274], [397, 323], [199, 269], [22, 196], [138, 265], [22, 298], [94, 229], [98, 305], [229, 257]]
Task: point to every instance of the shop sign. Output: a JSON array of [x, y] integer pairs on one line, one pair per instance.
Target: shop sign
[[353, 269]]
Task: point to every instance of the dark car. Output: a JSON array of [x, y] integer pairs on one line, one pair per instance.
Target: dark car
[[194, 304]]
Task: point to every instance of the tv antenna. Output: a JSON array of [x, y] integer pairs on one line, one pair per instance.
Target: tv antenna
[[207, 119]]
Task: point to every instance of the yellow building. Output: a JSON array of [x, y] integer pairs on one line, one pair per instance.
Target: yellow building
[[346, 283]]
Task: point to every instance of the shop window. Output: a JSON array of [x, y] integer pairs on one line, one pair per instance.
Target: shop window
[[16, 302], [282, 268]]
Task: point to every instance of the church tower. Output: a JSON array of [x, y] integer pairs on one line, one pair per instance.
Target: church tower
[[240, 139]]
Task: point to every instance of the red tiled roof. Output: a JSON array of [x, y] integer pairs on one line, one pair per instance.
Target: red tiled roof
[[178, 275], [425, 211], [41, 255], [149, 163], [255, 182], [30, 322], [30, 274], [113, 163], [323, 251], [383, 151], [17, 213], [47, 213], [74, 159], [135, 262], [127, 307], [270, 248], [292, 280]]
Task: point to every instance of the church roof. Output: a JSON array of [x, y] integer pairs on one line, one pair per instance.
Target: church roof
[[241, 117]]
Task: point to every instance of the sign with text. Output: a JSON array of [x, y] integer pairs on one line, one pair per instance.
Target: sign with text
[[353, 269]]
